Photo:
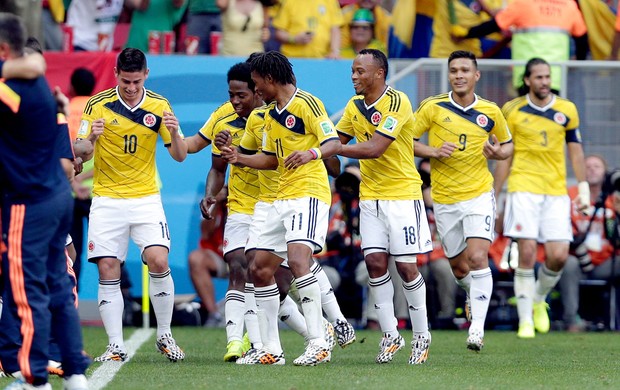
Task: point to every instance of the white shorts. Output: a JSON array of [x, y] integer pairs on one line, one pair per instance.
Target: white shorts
[[236, 232], [398, 227], [114, 221], [294, 221], [261, 210], [474, 218], [538, 217]]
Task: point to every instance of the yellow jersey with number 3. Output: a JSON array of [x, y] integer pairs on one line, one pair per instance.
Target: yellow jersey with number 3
[[393, 175], [465, 174], [540, 133], [300, 125], [124, 159]]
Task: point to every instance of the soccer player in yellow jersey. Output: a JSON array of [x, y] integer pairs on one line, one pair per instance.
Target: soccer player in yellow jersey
[[298, 134], [538, 207], [464, 131], [392, 214], [123, 124], [243, 191]]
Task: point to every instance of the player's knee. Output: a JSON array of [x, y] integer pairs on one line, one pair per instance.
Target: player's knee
[[195, 260], [376, 263]]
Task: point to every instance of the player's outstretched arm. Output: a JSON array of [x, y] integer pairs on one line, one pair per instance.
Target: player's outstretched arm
[[25, 67]]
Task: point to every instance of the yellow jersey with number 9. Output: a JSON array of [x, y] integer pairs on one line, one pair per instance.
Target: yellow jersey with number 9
[[124, 159]]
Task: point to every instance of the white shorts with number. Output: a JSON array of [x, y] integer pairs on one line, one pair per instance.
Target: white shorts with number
[[538, 217], [294, 221], [398, 227], [261, 211], [474, 218], [236, 232], [114, 221]]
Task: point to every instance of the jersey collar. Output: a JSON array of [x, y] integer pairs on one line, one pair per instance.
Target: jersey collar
[[461, 107], [387, 88], [132, 109], [287, 103], [538, 108]]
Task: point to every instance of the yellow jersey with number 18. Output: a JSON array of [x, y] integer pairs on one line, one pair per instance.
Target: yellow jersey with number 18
[[392, 176], [300, 125], [465, 174], [124, 160]]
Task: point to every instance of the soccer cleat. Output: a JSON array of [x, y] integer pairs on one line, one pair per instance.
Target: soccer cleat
[[75, 382], [475, 341], [113, 353], [329, 334], [419, 348], [526, 331], [313, 355], [234, 350], [247, 345], [54, 368], [468, 309], [345, 332], [167, 346], [541, 317], [261, 356], [247, 356], [388, 347]]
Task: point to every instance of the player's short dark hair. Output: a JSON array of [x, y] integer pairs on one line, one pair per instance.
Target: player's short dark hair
[[34, 45], [13, 32], [527, 72], [274, 64], [380, 58], [463, 54], [131, 60], [241, 72], [83, 82]]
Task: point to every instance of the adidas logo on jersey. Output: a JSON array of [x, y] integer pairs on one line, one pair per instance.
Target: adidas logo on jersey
[[114, 122], [104, 302], [230, 322], [161, 294], [447, 119], [306, 300], [482, 297]]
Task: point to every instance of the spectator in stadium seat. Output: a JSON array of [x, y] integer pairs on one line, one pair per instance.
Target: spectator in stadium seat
[[93, 23], [203, 18], [590, 256], [362, 35], [381, 17], [309, 28], [152, 15], [245, 26]]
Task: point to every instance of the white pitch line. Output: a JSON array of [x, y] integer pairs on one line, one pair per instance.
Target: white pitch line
[[106, 372]]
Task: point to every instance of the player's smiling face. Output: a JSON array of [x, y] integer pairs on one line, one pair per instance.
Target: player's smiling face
[[131, 85], [365, 74], [539, 81], [265, 87], [243, 99], [463, 76]]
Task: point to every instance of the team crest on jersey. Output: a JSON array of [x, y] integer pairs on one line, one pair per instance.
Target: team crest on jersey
[[375, 118], [91, 246], [83, 130], [327, 128], [149, 120], [290, 121], [559, 118], [482, 120], [389, 124]]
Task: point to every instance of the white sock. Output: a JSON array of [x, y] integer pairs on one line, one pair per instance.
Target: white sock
[[310, 295], [234, 310], [525, 283], [480, 295], [464, 283], [382, 292], [289, 314], [111, 307], [328, 298], [161, 292], [415, 292], [547, 280], [251, 320], [268, 302]]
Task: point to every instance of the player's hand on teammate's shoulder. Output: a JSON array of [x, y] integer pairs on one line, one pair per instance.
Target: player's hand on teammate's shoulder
[[222, 139], [446, 150]]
